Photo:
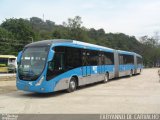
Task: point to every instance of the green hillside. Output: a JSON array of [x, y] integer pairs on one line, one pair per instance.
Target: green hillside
[[16, 33]]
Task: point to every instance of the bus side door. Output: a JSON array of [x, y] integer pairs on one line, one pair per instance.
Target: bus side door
[[101, 63], [86, 68]]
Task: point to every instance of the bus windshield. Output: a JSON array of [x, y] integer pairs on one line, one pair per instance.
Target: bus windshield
[[32, 62], [12, 60]]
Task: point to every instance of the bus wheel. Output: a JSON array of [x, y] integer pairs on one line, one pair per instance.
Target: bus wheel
[[72, 85], [106, 78]]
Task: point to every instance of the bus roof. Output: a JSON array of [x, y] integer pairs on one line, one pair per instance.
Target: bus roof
[[76, 43], [7, 56], [138, 55], [125, 52], [128, 53], [90, 45], [65, 41]]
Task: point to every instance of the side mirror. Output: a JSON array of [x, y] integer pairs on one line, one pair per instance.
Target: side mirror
[[50, 55], [19, 56]]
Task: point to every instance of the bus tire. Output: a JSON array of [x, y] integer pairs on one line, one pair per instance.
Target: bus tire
[[72, 85], [106, 78]]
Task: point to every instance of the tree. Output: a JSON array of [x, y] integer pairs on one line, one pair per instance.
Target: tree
[[151, 51], [73, 23], [74, 29], [6, 42], [43, 29], [21, 30], [16, 33]]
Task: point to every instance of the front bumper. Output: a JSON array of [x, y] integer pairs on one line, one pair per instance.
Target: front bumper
[[45, 87]]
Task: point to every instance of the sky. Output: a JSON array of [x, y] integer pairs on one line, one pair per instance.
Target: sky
[[132, 17]]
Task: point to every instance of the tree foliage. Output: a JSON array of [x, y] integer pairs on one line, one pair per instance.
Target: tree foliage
[[16, 33]]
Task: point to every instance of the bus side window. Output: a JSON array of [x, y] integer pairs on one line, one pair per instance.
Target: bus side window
[[128, 59], [57, 65], [58, 62], [94, 58], [84, 58], [109, 58], [73, 58], [100, 58], [103, 59], [121, 62], [139, 60]]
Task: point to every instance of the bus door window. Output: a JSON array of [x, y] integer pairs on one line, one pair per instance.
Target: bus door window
[[57, 65], [84, 58], [86, 69], [88, 63], [100, 62], [121, 63], [84, 63]]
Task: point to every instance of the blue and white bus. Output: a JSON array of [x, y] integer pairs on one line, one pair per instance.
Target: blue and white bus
[[53, 65]]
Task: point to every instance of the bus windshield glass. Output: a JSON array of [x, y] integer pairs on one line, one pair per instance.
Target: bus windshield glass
[[32, 62]]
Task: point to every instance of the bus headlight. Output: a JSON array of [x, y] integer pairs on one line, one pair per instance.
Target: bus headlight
[[40, 81]]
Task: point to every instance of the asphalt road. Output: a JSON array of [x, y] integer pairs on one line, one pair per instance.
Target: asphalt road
[[137, 94]]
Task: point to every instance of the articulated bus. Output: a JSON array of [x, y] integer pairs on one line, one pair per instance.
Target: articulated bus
[[53, 65]]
